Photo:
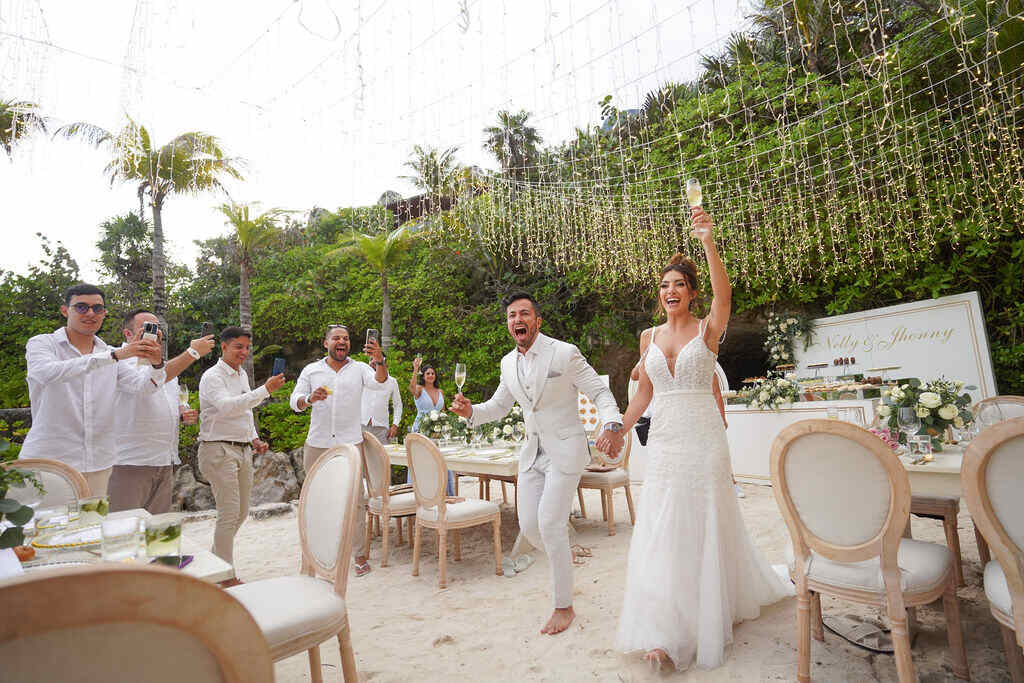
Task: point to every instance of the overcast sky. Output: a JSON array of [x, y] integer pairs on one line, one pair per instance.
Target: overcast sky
[[322, 98]]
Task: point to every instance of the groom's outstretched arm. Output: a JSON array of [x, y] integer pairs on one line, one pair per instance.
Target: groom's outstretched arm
[[495, 408], [588, 381]]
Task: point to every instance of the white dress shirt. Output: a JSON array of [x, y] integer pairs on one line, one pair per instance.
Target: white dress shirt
[[147, 431], [226, 403], [524, 366], [375, 405], [335, 420], [74, 414]]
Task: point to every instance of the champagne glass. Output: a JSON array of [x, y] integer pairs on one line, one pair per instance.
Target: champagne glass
[[446, 431], [519, 431], [990, 414], [460, 375], [908, 422], [693, 193], [183, 396]]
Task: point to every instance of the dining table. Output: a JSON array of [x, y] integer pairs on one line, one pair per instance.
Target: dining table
[[495, 461], [940, 477], [204, 565]]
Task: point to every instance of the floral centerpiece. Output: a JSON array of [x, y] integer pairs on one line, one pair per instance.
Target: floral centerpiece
[[939, 403], [783, 330], [506, 427], [432, 425], [772, 393]]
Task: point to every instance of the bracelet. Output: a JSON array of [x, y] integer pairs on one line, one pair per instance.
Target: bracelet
[[113, 355], [309, 400], [192, 352]]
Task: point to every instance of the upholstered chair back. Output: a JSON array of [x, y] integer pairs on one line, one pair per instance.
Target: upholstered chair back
[[127, 623], [327, 514], [378, 466], [429, 474], [61, 484], [842, 491]]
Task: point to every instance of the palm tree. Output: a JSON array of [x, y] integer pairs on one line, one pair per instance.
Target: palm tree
[[435, 171], [382, 252], [189, 164], [251, 235], [512, 142], [18, 119]]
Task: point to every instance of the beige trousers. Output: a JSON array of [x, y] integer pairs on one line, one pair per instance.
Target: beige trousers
[[310, 454], [98, 481], [228, 468], [141, 486]]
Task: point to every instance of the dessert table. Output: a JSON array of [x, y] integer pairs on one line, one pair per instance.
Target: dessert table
[[205, 565]]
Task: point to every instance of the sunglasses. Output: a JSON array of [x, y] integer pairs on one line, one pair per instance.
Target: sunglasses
[[82, 309]]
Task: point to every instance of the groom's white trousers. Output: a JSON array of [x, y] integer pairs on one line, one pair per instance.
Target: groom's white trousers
[[545, 501]]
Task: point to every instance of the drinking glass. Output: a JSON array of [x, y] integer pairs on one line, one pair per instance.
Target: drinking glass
[[990, 414], [93, 510], [120, 538], [519, 432], [460, 375], [183, 396], [74, 511], [51, 518], [446, 431], [832, 413], [694, 196], [908, 422], [163, 537]]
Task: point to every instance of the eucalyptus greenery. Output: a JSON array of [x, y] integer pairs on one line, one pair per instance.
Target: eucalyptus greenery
[[11, 511]]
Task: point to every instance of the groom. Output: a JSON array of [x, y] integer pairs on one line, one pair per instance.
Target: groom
[[543, 375]]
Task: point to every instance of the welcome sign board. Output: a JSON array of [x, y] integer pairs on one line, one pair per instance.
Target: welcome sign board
[[926, 339]]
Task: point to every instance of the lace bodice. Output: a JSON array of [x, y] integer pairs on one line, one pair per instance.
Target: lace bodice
[[694, 370]]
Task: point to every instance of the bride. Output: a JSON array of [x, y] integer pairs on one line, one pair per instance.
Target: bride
[[693, 571]]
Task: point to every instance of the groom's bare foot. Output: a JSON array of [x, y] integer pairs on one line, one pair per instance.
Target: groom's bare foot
[[559, 621]]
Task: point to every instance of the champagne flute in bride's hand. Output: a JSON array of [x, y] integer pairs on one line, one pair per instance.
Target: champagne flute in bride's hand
[[460, 375]]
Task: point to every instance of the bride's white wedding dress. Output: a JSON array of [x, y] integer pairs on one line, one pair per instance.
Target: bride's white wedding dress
[[693, 571]]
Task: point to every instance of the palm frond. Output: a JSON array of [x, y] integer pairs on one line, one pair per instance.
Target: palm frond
[[91, 133]]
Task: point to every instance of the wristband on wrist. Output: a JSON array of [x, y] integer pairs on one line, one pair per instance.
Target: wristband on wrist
[[309, 399], [192, 352], [113, 355]]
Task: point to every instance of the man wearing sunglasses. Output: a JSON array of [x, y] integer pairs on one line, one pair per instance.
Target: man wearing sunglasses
[[73, 376]]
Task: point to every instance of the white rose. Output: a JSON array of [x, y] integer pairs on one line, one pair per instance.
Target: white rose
[[791, 321], [783, 327], [922, 411], [897, 394], [437, 429], [434, 414], [884, 411], [958, 422], [516, 410], [904, 387], [764, 396], [785, 356], [506, 430], [930, 399], [755, 404], [463, 420], [948, 411], [782, 382]]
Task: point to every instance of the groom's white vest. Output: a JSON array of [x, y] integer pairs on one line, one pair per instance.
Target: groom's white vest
[[552, 413]]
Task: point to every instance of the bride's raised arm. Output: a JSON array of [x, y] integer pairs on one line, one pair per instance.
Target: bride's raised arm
[[721, 290]]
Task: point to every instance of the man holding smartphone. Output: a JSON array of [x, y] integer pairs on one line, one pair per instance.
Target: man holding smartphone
[[72, 375], [228, 437], [147, 428], [333, 387], [375, 409]]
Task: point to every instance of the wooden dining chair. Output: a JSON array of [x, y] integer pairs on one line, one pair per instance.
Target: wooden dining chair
[[607, 482], [382, 505], [991, 475], [433, 511], [61, 483], [846, 501], [297, 613], [117, 622]]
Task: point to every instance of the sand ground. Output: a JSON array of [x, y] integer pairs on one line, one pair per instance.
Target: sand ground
[[486, 627]]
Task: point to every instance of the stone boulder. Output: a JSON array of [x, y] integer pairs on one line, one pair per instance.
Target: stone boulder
[[297, 466], [189, 494], [274, 479]]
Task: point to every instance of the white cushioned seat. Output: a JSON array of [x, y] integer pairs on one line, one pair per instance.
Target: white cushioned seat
[[922, 568], [997, 590], [290, 608], [615, 477], [402, 504], [462, 512]]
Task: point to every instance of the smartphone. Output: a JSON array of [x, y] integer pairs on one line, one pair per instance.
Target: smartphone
[[206, 329], [180, 562], [373, 334], [149, 331], [278, 366]]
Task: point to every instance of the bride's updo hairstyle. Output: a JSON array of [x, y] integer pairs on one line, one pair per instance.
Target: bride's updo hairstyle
[[685, 266]]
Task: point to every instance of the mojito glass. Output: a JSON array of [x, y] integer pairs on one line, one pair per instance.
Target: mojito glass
[[163, 536], [93, 510]]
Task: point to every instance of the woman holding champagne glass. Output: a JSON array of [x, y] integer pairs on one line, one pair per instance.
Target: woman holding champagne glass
[[427, 396]]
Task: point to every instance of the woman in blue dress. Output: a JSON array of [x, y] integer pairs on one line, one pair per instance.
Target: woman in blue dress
[[427, 397]]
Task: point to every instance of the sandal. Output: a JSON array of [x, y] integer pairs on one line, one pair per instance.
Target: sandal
[[362, 569], [580, 551]]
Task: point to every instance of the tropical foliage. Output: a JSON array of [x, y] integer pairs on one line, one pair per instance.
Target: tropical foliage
[[18, 120]]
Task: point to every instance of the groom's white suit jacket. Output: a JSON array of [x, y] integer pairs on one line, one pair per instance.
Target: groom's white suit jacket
[[551, 414]]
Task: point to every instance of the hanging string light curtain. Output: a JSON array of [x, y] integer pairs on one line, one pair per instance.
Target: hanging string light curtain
[[856, 139]]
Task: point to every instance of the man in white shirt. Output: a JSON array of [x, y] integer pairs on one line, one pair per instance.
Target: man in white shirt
[[147, 433], [72, 378], [334, 387], [227, 435], [375, 408]]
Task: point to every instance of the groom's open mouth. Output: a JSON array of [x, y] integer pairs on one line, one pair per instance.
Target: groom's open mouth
[[520, 332]]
